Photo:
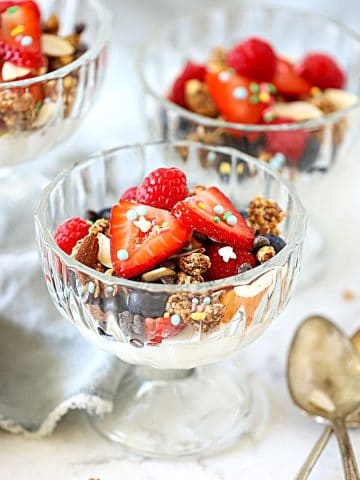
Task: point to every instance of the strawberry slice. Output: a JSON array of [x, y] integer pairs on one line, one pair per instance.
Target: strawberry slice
[[157, 329], [288, 82], [223, 266], [237, 98], [211, 213], [142, 237], [20, 34]]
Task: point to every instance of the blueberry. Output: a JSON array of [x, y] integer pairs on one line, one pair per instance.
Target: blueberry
[[275, 241], [147, 304], [261, 241], [104, 213], [131, 325], [91, 215]]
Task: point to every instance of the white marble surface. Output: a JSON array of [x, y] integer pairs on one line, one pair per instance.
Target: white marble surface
[[74, 451]]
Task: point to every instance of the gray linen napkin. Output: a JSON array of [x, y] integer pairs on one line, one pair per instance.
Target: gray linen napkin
[[46, 367]]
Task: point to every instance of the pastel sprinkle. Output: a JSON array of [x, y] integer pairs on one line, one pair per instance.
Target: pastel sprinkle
[[216, 219], [175, 320], [142, 210], [240, 93], [15, 31], [254, 99], [254, 87], [122, 254], [198, 316], [207, 300], [91, 287], [227, 253], [264, 97], [201, 205], [195, 301], [277, 161], [232, 220], [143, 224], [224, 76], [240, 167], [225, 168], [166, 315], [227, 215], [165, 224], [26, 41], [315, 91], [269, 116], [201, 307], [271, 88], [131, 215], [109, 289], [156, 228], [219, 209], [211, 156], [12, 9]]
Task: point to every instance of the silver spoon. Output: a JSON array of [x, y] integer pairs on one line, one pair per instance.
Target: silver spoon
[[323, 375], [353, 422]]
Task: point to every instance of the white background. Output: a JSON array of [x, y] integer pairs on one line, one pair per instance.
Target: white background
[[75, 451]]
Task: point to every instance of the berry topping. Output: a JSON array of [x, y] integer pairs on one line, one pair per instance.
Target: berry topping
[[275, 241], [129, 194], [199, 213], [134, 249], [288, 82], [227, 261], [163, 188], [156, 329], [70, 232], [253, 58], [291, 143], [20, 34], [192, 71], [321, 70], [239, 99]]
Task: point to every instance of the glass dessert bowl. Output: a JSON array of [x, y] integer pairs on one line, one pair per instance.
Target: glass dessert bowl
[[210, 405], [319, 132], [43, 104]]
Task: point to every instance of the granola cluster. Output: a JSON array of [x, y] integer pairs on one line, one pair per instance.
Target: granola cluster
[[265, 215]]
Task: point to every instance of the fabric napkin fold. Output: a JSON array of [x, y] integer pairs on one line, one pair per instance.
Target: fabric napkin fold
[[46, 367]]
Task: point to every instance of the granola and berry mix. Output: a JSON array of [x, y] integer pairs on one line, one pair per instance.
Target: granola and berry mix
[[252, 84], [31, 46], [163, 232]]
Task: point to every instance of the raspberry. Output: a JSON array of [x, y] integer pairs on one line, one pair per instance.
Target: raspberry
[[253, 58], [129, 194], [163, 188], [192, 71], [321, 70], [291, 143], [70, 232]]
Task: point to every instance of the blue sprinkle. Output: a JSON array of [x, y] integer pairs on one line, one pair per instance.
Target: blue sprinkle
[[195, 301], [91, 287], [131, 215], [219, 209], [240, 93], [175, 320], [141, 211], [109, 289], [207, 300], [123, 254], [26, 41], [277, 161], [231, 220]]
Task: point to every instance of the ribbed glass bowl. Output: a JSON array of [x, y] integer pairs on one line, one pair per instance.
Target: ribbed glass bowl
[[102, 307], [69, 92], [193, 37]]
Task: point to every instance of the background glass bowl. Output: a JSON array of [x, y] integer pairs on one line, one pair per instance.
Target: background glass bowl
[[100, 305], [193, 37], [69, 91]]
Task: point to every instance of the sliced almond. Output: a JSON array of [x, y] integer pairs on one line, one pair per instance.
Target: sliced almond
[[156, 274], [55, 46], [104, 255], [298, 111], [45, 114], [340, 98], [12, 72]]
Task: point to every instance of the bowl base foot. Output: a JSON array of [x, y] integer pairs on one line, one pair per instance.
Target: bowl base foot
[[173, 413]]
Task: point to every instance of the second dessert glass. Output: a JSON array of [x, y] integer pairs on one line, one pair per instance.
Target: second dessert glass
[[329, 137], [177, 400]]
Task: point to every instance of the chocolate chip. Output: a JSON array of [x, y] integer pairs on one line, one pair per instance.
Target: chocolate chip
[[91, 215], [79, 28], [244, 267]]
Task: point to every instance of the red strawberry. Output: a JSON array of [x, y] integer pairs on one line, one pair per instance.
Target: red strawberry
[[20, 34], [254, 58], [157, 329], [321, 70], [222, 266], [288, 82], [192, 71], [129, 194], [291, 143], [210, 212], [162, 188], [138, 247], [234, 97], [70, 232]]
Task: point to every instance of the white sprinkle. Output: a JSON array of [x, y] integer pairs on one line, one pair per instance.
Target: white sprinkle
[[91, 287], [143, 224], [142, 210], [211, 156], [226, 253], [219, 209], [26, 41], [131, 215], [231, 220], [224, 76]]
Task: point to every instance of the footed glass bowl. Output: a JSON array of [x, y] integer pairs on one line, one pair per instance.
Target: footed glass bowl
[[37, 113], [328, 138], [210, 405]]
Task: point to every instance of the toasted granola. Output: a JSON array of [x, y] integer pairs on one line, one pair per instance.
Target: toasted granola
[[194, 264], [265, 215], [199, 99]]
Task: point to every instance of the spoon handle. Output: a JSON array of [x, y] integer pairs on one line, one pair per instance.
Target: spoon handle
[[349, 462], [314, 455]]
